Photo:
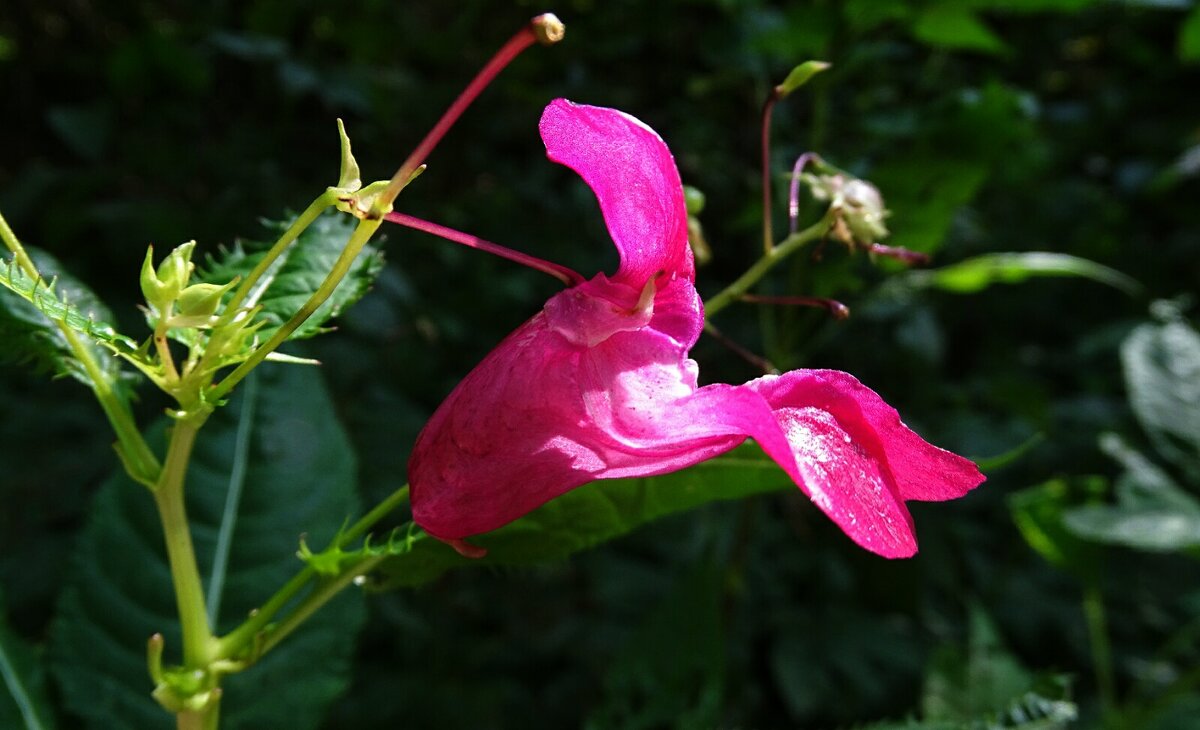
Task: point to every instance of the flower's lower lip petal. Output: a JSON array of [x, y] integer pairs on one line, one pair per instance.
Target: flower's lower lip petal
[[847, 483], [841, 475], [921, 470], [857, 460]]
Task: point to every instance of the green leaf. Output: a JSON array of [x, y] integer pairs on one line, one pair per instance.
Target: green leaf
[[23, 702], [1189, 37], [1144, 484], [1152, 512], [1038, 512], [31, 310], [1033, 6], [976, 274], [593, 514], [954, 26], [298, 272], [799, 76], [1144, 528], [1162, 375], [924, 194], [299, 480], [671, 670], [986, 686]]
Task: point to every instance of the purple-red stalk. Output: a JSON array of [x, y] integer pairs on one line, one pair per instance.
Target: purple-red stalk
[[765, 137], [912, 258], [833, 306], [794, 190], [762, 363], [562, 273], [545, 28]]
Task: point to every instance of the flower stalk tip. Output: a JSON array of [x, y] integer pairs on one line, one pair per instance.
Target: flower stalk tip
[[548, 29]]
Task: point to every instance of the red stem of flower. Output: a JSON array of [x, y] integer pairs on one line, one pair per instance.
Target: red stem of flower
[[762, 363], [912, 258], [510, 50], [562, 273], [765, 137], [834, 307], [794, 190]]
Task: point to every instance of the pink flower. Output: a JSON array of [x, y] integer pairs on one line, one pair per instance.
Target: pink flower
[[598, 385]]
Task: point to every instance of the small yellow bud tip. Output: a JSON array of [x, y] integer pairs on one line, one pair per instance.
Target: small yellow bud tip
[[549, 29]]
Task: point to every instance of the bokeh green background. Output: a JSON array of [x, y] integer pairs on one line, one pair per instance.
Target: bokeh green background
[[1070, 126]]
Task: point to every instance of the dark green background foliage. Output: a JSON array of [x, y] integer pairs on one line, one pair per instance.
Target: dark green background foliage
[[1070, 126]]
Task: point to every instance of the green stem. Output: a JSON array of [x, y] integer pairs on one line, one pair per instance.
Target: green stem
[[394, 500], [139, 460], [358, 239], [302, 222], [1093, 611], [321, 594], [189, 592], [769, 260], [232, 644], [206, 719]]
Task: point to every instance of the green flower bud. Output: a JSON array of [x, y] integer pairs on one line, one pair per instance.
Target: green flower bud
[[198, 303], [693, 200], [157, 294], [176, 268]]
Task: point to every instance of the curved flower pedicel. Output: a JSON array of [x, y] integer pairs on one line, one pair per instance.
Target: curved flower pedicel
[[599, 384]]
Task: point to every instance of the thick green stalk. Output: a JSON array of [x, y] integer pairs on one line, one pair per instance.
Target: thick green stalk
[[769, 260], [139, 460], [358, 239], [189, 591], [206, 719]]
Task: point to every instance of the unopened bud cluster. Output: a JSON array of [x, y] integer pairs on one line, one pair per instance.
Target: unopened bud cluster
[[171, 299]]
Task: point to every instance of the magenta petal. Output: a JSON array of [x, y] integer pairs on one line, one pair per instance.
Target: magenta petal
[[633, 175], [570, 397], [857, 460], [922, 471], [496, 449], [599, 384]]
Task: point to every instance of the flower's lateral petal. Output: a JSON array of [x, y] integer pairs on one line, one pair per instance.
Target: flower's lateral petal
[[921, 470], [552, 408], [633, 175], [504, 441], [678, 312]]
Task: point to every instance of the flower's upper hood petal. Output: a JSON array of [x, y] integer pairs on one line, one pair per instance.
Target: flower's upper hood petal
[[633, 175]]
